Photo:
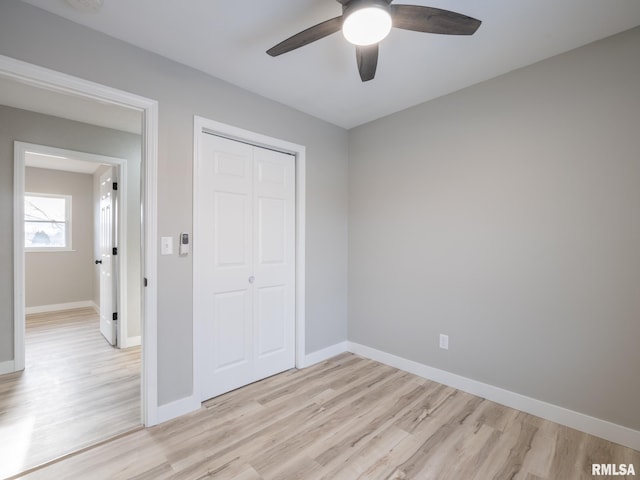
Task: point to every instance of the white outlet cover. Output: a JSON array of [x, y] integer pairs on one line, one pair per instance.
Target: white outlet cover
[[444, 341]]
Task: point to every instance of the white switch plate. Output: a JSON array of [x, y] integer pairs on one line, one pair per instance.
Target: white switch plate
[[444, 341], [166, 245]]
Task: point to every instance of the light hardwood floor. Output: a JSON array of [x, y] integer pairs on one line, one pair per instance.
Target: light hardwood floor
[[347, 418], [75, 391]]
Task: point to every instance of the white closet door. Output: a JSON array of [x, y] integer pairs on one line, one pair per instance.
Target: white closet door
[[274, 262], [246, 246]]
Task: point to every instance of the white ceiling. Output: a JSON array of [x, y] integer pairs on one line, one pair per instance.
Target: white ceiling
[[228, 39], [67, 164]]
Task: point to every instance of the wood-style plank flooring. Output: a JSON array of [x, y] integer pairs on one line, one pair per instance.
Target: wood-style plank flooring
[[75, 391], [347, 418]]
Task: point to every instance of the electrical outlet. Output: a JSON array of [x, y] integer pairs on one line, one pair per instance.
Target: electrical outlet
[[444, 341]]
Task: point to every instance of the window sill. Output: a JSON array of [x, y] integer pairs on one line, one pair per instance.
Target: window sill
[[48, 250]]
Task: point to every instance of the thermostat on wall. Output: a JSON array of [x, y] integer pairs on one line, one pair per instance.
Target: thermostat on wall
[[184, 244]]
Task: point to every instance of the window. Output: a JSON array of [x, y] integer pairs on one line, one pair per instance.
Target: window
[[47, 222]]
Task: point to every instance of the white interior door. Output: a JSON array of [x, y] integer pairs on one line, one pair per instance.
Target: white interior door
[[108, 323], [246, 288]]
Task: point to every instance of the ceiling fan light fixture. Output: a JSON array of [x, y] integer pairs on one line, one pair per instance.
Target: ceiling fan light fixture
[[367, 25]]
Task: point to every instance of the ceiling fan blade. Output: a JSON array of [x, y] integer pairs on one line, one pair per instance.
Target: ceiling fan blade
[[367, 58], [307, 36], [432, 20]]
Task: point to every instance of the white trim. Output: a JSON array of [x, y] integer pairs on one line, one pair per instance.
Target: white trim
[[7, 367], [58, 307], [48, 249], [201, 125], [325, 354], [120, 166], [50, 79], [18, 260], [585, 423], [178, 408], [301, 245], [129, 342], [150, 265]]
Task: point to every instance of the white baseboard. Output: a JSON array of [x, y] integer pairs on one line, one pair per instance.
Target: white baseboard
[[178, 408], [8, 366], [585, 423], [132, 342], [60, 306], [324, 354]]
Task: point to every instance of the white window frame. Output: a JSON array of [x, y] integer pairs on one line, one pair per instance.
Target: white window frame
[[68, 224]]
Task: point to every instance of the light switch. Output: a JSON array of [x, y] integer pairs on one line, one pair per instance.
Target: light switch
[[166, 245]]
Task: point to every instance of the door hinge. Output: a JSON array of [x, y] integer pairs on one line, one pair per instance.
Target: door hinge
[[115, 185], [115, 315], [115, 250], [145, 281]]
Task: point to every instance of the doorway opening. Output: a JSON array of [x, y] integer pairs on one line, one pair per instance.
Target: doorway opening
[[80, 379], [73, 92], [49, 171]]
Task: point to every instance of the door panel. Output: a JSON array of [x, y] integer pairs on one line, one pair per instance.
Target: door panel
[[230, 164], [272, 323], [274, 268], [271, 231], [246, 284], [107, 268], [271, 173], [232, 320], [231, 224]]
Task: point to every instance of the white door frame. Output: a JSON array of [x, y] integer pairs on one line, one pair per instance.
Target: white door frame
[[59, 82], [120, 164], [203, 125]]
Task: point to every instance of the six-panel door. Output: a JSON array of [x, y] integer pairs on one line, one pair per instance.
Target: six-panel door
[[246, 288]]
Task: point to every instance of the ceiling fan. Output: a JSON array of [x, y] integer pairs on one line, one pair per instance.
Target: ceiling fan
[[367, 22]]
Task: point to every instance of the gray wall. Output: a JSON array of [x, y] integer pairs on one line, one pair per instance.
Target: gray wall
[[506, 216], [21, 125], [35, 36], [62, 277]]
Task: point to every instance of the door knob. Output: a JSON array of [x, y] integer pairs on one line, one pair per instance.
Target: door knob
[[252, 279], [98, 262]]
